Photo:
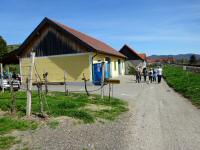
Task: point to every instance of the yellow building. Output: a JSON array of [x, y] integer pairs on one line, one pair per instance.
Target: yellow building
[[60, 49]]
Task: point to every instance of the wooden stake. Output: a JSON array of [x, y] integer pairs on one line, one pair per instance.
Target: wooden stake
[[1, 67], [109, 89], [65, 77], [28, 104], [102, 80], [112, 90], [9, 78], [39, 86], [85, 82], [13, 101], [45, 81]]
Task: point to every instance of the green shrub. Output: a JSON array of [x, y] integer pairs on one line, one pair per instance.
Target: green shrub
[[131, 70]]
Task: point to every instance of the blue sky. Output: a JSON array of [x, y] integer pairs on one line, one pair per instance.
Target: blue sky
[[150, 26]]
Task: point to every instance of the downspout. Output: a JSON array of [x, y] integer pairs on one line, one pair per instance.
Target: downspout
[[92, 65]]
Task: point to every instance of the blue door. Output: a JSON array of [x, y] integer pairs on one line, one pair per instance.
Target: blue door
[[107, 70], [97, 73]]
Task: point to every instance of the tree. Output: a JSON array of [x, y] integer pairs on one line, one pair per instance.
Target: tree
[[131, 70], [3, 48], [193, 59]]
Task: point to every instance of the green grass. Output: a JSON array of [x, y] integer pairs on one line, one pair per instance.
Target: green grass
[[53, 124], [186, 83], [7, 141], [57, 104], [7, 124]]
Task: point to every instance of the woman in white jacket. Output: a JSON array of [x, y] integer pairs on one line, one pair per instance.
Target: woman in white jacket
[[159, 73]]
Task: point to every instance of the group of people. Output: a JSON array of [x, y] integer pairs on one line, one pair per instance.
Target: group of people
[[154, 74]]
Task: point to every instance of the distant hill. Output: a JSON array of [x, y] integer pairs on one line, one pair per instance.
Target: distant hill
[[12, 47], [177, 57]]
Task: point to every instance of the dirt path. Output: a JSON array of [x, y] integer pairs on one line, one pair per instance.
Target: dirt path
[[159, 119], [163, 119]]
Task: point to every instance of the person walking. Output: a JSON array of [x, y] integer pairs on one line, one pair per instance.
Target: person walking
[[159, 72], [151, 75], [154, 75], [145, 74], [140, 75], [137, 75]]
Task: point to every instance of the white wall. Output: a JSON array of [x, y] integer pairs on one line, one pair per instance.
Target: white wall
[[123, 67], [115, 72], [114, 69]]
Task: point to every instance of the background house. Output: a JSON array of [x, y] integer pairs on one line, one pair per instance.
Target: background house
[[59, 48], [133, 59], [158, 61]]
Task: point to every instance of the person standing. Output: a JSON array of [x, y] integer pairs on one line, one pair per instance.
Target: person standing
[[138, 75], [154, 75], [151, 75], [159, 72], [140, 68], [145, 73]]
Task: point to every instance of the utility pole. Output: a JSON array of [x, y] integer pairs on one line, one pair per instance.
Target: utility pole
[[2, 86], [102, 80], [29, 86]]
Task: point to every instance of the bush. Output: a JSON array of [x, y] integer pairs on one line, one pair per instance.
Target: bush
[[131, 70]]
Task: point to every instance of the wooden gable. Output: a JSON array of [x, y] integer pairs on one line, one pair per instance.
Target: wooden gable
[[49, 41]]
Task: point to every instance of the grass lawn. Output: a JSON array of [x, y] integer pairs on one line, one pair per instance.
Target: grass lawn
[[186, 83], [7, 141], [8, 124], [53, 124], [74, 105], [78, 106]]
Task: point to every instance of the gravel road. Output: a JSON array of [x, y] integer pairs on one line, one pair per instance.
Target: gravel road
[[158, 119]]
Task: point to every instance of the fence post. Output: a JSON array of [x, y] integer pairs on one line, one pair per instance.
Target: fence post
[[1, 67], [28, 104], [65, 77], [9, 79], [102, 80], [109, 89], [45, 81], [39, 86], [13, 101], [112, 90]]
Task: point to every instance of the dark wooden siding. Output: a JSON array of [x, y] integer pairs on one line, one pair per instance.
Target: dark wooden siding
[[53, 45], [130, 55], [52, 42]]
